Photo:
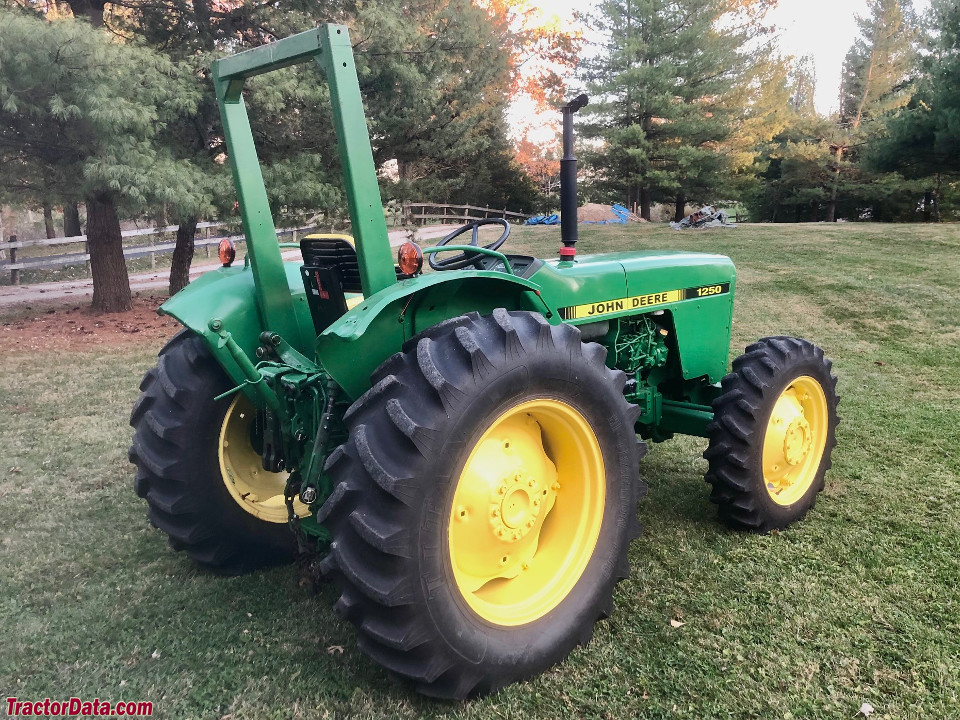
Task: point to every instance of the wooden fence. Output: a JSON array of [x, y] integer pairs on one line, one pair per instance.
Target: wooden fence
[[203, 240], [413, 214], [417, 213]]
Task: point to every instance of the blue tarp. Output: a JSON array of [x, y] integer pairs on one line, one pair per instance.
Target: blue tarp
[[543, 220], [619, 210]]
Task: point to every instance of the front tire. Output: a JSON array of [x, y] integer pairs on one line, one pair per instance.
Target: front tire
[[773, 433], [484, 502], [197, 469]]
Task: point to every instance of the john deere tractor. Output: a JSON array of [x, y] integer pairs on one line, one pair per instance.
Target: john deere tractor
[[460, 448]]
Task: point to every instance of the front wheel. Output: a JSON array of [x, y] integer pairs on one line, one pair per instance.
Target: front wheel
[[197, 466], [773, 432], [484, 502]]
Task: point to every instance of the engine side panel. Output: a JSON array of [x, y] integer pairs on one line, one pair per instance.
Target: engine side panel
[[696, 288]]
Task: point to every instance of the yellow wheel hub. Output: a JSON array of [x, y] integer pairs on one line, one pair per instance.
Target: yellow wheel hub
[[795, 440], [527, 512], [257, 491]]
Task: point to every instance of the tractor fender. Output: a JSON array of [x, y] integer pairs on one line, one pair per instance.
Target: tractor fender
[[228, 294], [358, 342]]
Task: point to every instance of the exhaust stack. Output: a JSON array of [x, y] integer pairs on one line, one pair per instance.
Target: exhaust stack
[[568, 182]]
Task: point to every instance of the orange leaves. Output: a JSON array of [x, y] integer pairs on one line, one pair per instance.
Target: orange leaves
[[543, 48]]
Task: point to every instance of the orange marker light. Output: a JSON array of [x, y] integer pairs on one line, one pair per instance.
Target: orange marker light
[[410, 258], [227, 252]]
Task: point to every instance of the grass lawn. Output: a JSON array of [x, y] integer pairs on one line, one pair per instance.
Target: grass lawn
[[860, 603]]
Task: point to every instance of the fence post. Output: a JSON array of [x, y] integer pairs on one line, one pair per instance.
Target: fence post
[[206, 237], [14, 273]]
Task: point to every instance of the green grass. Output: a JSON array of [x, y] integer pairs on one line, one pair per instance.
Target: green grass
[[858, 603]]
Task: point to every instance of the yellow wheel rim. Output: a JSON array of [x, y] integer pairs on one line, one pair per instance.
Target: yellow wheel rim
[[795, 440], [257, 491], [527, 512]]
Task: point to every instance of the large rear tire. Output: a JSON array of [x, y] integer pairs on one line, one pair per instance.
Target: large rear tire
[[773, 433], [484, 502], [197, 468]]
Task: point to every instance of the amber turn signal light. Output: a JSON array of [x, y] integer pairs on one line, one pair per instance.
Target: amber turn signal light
[[227, 252], [410, 258]]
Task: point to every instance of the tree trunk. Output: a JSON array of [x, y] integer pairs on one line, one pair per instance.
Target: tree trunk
[[90, 9], [48, 221], [927, 205], [834, 191], [111, 283], [815, 210], [678, 211], [71, 220], [645, 203], [182, 255]]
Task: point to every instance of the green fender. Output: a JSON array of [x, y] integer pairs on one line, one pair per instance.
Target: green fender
[[228, 295], [355, 345]]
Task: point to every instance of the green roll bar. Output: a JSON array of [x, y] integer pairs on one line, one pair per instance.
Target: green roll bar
[[329, 46]]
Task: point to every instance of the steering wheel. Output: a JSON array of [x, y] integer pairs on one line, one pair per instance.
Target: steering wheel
[[466, 259]]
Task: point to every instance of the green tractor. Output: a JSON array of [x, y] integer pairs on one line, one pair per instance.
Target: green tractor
[[459, 449]]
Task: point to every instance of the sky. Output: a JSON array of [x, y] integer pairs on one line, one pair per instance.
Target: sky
[[823, 29]]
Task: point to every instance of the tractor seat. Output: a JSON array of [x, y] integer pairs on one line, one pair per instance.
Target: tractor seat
[[336, 252], [331, 277]]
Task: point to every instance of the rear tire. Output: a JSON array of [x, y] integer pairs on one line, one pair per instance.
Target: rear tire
[[469, 446], [176, 442], [773, 432]]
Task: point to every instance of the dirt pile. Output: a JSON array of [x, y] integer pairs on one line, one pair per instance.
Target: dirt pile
[[596, 212]]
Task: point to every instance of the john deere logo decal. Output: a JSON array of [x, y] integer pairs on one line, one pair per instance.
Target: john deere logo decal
[[609, 307]]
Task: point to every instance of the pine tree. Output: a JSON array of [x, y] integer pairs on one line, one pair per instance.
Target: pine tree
[[79, 116], [875, 81], [877, 68], [661, 92], [923, 140]]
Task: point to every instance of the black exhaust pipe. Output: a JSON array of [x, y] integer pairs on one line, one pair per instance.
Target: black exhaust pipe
[[568, 182]]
